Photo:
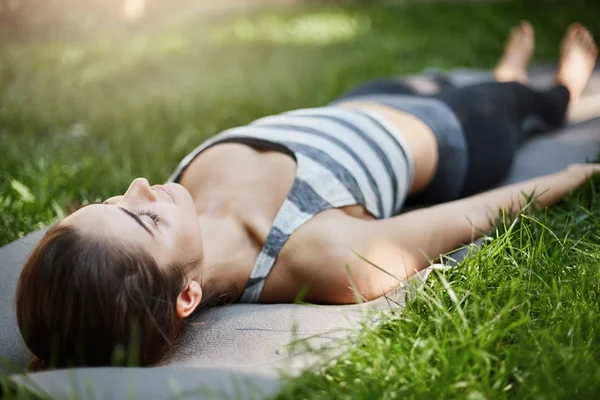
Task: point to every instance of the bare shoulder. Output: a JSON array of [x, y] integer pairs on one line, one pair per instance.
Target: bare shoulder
[[308, 262], [323, 260], [317, 242]]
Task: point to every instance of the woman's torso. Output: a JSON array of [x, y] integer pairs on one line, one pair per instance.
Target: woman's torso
[[250, 184]]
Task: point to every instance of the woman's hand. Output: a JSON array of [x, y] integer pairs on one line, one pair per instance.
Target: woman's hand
[[583, 171]]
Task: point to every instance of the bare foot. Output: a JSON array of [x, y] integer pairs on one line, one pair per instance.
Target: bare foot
[[518, 50], [577, 59]]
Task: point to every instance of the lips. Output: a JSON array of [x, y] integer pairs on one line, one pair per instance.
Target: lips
[[165, 190]]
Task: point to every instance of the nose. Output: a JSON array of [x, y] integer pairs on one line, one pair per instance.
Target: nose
[[138, 190]]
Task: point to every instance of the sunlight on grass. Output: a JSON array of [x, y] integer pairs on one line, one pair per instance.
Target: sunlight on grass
[[316, 29]]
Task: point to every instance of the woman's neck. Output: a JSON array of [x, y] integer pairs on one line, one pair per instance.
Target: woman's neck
[[229, 254]]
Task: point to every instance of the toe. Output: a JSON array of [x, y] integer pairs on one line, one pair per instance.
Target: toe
[[588, 40], [576, 26], [574, 30], [579, 37], [526, 28]]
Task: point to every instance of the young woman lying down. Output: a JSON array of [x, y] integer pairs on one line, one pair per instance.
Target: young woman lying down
[[259, 212]]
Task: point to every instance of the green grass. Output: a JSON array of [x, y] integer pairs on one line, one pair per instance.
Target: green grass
[[81, 115], [519, 319]]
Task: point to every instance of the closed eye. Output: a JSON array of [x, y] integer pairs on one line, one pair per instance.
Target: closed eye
[[154, 216]]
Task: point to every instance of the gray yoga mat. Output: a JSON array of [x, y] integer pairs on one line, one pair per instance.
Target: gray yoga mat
[[151, 383], [244, 347]]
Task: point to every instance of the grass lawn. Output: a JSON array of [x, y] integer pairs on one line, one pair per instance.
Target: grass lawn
[[82, 113], [519, 319]]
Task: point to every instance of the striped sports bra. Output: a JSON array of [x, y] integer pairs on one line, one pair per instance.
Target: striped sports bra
[[344, 157]]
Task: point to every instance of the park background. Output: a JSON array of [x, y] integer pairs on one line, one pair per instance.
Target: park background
[[94, 93]]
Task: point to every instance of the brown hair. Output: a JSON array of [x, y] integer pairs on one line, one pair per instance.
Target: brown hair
[[83, 301]]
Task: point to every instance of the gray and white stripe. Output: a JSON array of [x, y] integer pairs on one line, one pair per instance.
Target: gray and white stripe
[[344, 157]]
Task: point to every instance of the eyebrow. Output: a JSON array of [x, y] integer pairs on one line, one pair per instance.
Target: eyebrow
[[136, 219], [132, 215]]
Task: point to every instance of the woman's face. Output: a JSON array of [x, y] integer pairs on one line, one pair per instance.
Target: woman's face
[[160, 218]]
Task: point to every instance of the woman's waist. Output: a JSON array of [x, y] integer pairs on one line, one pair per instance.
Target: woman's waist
[[411, 128]]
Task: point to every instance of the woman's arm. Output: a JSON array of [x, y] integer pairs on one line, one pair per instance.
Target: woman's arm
[[406, 243], [480, 210]]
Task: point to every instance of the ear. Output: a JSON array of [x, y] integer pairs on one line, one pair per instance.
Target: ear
[[188, 299]]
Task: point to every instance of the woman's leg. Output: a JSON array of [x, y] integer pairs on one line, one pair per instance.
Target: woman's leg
[[448, 181], [491, 117], [493, 114]]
